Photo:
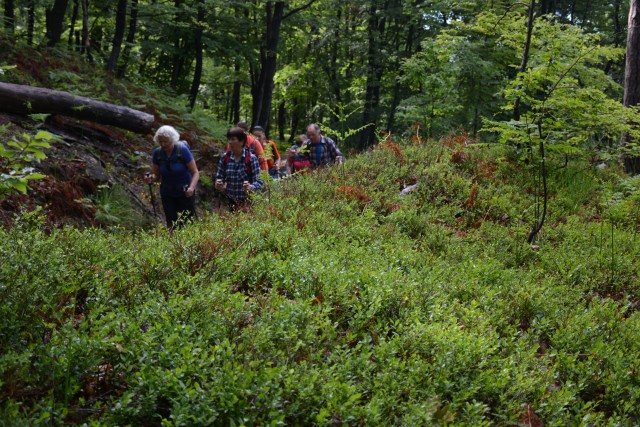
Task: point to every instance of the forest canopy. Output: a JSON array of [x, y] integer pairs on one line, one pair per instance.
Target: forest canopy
[[361, 67]]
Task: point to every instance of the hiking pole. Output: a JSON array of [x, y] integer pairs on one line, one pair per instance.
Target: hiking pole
[[153, 199]]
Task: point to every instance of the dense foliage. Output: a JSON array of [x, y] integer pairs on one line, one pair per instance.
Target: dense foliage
[[339, 301], [283, 64]]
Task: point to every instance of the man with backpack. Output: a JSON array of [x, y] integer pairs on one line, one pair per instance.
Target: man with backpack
[[238, 172], [322, 150]]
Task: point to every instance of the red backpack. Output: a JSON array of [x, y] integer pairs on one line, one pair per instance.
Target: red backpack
[[247, 161]]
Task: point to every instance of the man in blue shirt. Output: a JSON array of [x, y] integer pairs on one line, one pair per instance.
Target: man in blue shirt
[[322, 150]]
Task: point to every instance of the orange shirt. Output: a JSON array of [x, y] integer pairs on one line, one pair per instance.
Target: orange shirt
[[271, 153]]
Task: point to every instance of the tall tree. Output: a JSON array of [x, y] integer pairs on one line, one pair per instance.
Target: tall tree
[[131, 36], [31, 20], [179, 46], [263, 89], [525, 55], [9, 16], [632, 81], [118, 35], [85, 30], [375, 70], [198, 46], [55, 21], [72, 23]]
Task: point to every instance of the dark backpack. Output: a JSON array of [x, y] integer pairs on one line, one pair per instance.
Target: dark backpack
[[179, 148]]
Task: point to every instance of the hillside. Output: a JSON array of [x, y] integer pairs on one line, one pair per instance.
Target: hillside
[[94, 172], [338, 301]]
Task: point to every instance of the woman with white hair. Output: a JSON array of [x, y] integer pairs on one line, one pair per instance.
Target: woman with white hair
[[175, 168]]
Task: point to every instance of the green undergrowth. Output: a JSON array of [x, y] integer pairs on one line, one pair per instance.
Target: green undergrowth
[[339, 301]]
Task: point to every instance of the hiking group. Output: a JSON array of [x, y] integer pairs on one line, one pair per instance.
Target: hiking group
[[238, 173]]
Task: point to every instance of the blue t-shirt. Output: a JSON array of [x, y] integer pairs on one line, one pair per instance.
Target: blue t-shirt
[[175, 174]]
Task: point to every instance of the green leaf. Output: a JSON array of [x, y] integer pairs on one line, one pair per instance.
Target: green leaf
[[34, 176]]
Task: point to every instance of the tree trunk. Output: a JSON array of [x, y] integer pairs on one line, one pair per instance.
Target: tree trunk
[[282, 119], [22, 99], [617, 30], [262, 89], [197, 74], [72, 24], [118, 35], [31, 20], [377, 23], [268, 64], [131, 37], [9, 17], [55, 22], [85, 29], [525, 55], [178, 58], [632, 81], [235, 98]]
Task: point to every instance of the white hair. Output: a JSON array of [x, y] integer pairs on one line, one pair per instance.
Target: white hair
[[167, 131]]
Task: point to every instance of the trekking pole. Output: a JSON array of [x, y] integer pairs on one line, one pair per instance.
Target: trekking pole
[[153, 199]]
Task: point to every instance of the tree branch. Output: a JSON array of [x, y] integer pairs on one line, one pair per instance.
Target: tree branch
[[298, 9]]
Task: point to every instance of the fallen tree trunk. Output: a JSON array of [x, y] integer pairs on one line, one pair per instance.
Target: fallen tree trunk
[[29, 100]]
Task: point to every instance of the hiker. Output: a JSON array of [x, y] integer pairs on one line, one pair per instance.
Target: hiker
[[175, 168], [322, 150], [270, 151], [238, 170], [253, 145], [297, 160]]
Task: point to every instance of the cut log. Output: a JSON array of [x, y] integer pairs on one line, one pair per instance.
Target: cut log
[[23, 99]]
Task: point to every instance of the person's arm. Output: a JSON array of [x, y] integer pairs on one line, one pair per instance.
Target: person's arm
[[221, 185], [155, 173], [339, 156], [336, 155], [195, 176], [255, 182]]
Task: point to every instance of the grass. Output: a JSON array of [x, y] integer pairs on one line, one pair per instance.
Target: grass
[[336, 301]]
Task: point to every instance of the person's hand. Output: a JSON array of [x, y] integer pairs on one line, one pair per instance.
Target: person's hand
[[220, 185], [247, 187], [190, 191]]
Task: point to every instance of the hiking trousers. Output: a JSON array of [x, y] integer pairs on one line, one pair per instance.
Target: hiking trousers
[[174, 206]]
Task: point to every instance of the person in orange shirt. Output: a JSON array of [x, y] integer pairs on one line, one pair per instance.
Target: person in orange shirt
[[270, 151], [254, 146]]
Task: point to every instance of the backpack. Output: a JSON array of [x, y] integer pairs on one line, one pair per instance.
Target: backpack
[[179, 147], [247, 161]]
